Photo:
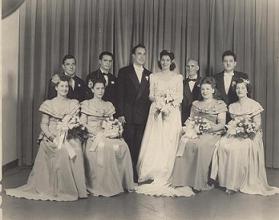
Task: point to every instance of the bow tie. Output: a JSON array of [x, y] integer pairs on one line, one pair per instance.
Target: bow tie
[[193, 80]]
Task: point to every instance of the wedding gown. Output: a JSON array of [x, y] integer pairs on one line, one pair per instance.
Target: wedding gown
[[160, 140]]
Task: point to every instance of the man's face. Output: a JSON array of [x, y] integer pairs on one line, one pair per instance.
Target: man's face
[[139, 56], [229, 63], [106, 62], [192, 68], [69, 67]]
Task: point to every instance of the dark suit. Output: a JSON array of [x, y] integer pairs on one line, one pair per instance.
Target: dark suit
[[110, 91], [133, 104], [231, 97], [188, 98], [78, 93]]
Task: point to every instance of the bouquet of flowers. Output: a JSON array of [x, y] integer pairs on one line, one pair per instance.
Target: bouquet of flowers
[[165, 102], [112, 128], [196, 126], [71, 124], [242, 128]]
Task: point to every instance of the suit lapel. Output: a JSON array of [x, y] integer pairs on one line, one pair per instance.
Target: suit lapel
[[187, 90], [134, 78], [143, 84], [222, 85]]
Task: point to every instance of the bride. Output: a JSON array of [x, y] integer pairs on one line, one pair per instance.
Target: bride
[[162, 132]]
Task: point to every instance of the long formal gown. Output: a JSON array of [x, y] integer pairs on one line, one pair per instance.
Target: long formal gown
[[58, 173], [108, 164], [239, 162], [160, 140], [194, 154]]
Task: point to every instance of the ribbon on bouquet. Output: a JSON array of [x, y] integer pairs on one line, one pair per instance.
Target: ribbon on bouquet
[[181, 146], [61, 141], [98, 145]]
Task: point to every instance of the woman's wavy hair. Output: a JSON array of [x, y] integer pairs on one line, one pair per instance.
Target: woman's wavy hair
[[211, 81], [246, 82], [171, 56], [96, 80], [57, 78]]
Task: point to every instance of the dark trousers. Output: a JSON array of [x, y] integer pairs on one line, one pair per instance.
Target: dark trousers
[[133, 134]]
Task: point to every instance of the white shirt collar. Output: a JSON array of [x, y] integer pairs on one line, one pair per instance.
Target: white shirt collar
[[138, 68], [228, 74]]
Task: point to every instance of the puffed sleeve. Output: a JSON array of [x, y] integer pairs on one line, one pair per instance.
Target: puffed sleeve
[[84, 107], [179, 89], [221, 107], [46, 108], [110, 110], [152, 88]]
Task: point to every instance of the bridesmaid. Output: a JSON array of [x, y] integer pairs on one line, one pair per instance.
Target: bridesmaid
[[195, 150], [239, 160], [107, 158], [58, 172]]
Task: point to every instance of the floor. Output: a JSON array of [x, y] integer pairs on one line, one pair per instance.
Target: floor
[[211, 205]]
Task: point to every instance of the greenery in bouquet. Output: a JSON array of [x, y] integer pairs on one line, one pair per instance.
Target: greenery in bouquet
[[242, 128], [71, 124], [112, 128]]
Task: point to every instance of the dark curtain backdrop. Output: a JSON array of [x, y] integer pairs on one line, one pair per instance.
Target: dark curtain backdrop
[[198, 29]]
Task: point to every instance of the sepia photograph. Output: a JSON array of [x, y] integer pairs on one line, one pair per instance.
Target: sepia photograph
[[139, 109]]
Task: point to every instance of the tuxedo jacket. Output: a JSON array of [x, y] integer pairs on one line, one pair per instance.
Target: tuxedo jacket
[[78, 93], [231, 97], [110, 91], [132, 96], [188, 98]]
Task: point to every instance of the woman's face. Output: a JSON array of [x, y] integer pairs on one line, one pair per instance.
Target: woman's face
[[62, 88], [241, 90], [165, 62], [207, 91], [99, 90]]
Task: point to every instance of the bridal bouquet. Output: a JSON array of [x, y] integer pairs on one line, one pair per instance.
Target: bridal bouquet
[[196, 126], [242, 128], [112, 128], [72, 126], [165, 102]]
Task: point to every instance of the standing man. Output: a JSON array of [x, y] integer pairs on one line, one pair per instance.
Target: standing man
[[77, 89], [105, 61], [133, 102], [191, 89], [225, 81]]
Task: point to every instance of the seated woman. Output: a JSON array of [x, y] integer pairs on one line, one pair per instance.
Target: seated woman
[[107, 157], [58, 171], [203, 129], [239, 156]]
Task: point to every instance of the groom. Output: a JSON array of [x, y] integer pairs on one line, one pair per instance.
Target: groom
[[133, 102]]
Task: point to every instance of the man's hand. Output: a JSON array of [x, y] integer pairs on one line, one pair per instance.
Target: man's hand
[[121, 119]]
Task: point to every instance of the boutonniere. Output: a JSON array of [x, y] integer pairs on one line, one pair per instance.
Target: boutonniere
[[112, 82], [147, 77], [79, 85], [233, 83]]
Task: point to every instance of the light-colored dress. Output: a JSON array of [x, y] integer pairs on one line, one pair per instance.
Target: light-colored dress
[[239, 162], [194, 154], [56, 174], [161, 137], [108, 164]]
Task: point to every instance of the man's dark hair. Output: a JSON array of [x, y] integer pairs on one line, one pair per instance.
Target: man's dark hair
[[229, 53], [67, 57], [136, 47], [105, 53]]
